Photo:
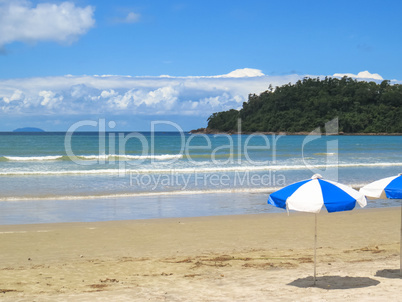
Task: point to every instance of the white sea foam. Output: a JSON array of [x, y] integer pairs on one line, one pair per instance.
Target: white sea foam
[[159, 157], [325, 153], [150, 193], [210, 169], [265, 190], [33, 158], [130, 157]]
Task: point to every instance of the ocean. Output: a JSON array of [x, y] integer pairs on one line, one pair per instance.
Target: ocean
[[97, 176]]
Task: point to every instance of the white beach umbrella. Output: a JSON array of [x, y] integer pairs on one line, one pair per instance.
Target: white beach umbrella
[[390, 187], [312, 194]]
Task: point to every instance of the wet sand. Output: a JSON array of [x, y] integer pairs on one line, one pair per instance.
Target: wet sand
[[263, 257]]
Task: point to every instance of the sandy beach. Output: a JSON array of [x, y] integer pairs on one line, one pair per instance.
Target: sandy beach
[[264, 257]]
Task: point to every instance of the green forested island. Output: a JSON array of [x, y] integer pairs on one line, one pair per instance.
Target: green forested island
[[362, 107]]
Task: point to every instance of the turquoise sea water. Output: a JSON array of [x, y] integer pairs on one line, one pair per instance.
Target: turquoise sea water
[[87, 176]]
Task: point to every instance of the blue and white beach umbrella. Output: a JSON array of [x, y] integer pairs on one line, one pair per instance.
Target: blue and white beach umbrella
[[390, 187], [312, 194]]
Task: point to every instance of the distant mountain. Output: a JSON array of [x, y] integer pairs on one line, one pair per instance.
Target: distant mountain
[[28, 129]]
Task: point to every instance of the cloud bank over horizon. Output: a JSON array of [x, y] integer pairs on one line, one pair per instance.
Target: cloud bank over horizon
[[360, 75], [123, 96]]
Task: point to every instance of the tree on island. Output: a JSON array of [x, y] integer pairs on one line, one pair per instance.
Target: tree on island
[[362, 107]]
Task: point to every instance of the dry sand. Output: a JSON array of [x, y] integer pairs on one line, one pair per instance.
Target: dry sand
[[267, 257]]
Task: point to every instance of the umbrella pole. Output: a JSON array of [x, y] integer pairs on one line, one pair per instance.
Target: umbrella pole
[[400, 246], [315, 248]]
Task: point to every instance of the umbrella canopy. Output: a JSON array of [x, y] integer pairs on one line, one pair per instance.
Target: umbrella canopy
[[312, 194], [390, 187]]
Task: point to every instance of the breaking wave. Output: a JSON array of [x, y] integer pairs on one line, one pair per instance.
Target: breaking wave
[[159, 157], [210, 169]]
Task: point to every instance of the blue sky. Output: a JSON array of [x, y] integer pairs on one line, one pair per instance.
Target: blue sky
[[175, 59]]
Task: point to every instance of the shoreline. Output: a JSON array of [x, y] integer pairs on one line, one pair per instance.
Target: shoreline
[[4, 227], [212, 131], [212, 204], [213, 258]]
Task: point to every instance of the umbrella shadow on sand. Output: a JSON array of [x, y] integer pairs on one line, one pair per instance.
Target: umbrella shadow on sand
[[335, 282], [389, 273]]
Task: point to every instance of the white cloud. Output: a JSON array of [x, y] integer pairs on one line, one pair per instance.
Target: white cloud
[[243, 73], [16, 96], [360, 75], [158, 100], [108, 93], [238, 73], [166, 95], [132, 17], [64, 22], [49, 99], [121, 102]]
